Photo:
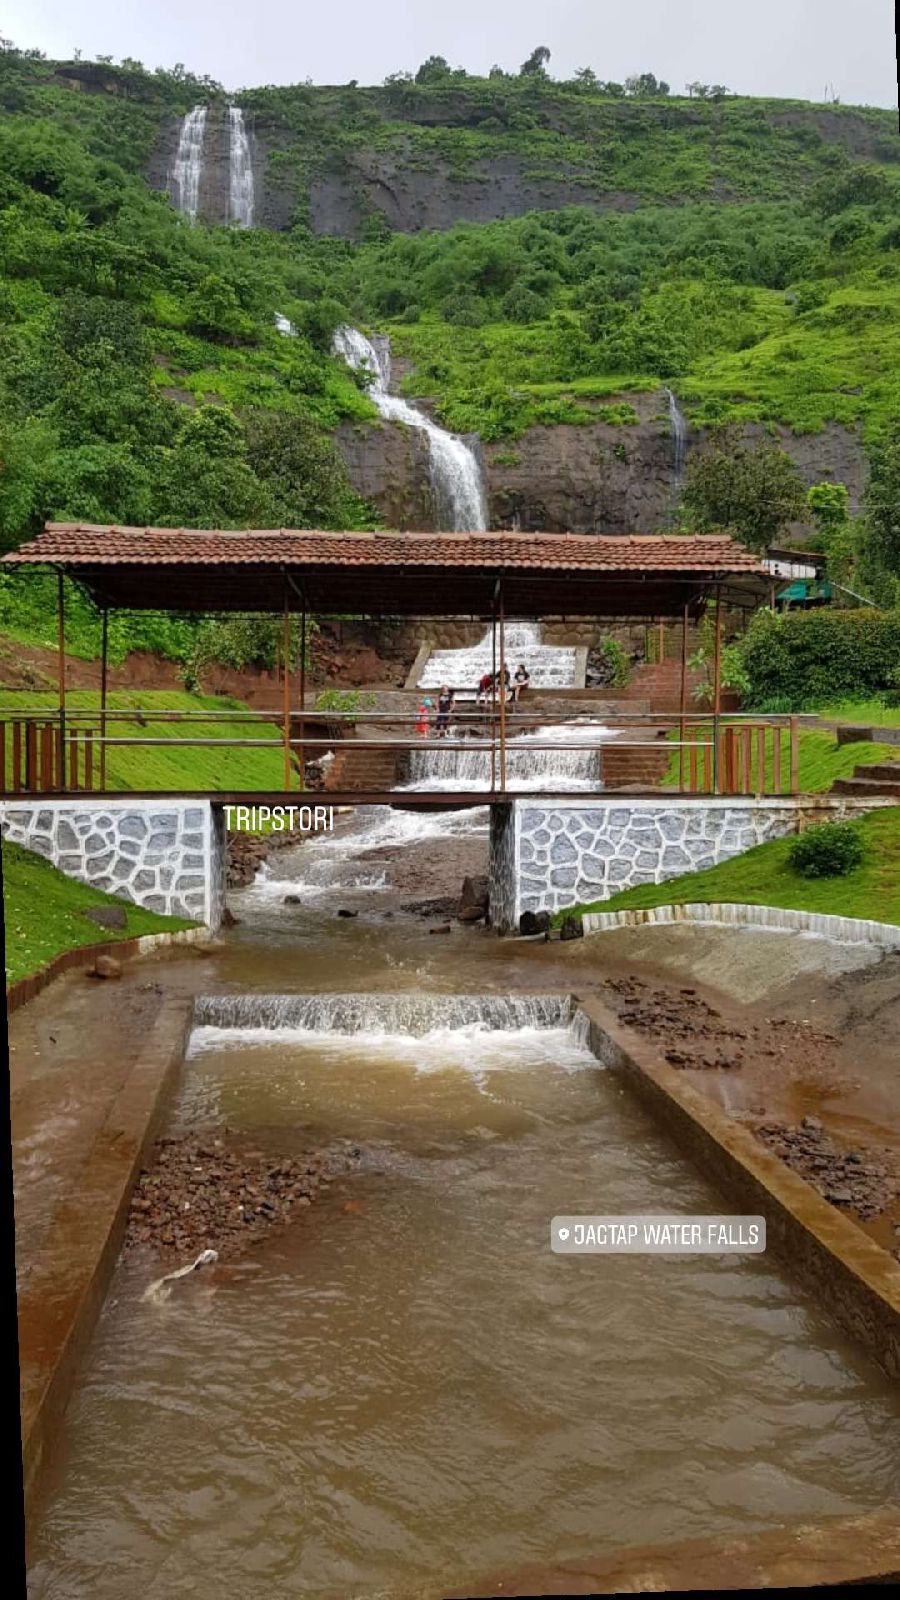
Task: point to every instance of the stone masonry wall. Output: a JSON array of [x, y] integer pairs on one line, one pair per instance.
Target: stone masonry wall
[[565, 852], [165, 855]]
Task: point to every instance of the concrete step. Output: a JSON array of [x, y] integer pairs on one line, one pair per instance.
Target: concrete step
[[884, 771], [867, 786]]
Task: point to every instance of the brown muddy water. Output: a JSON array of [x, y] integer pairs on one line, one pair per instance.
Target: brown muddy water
[[406, 1388]]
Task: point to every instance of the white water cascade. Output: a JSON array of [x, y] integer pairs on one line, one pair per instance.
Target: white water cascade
[[414, 1014], [240, 171], [456, 478], [678, 429], [527, 767], [188, 164], [549, 666]]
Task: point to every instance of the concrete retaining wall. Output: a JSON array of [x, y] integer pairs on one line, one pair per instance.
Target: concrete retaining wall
[[165, 855], [557, 853], [844, 930]]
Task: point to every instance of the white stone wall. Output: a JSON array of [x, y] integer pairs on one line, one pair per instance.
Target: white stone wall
[[559, 853], [165, 855]]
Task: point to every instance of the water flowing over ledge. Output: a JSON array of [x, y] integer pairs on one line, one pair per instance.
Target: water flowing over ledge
[[411, 1014], [188, 165], [457, 480]]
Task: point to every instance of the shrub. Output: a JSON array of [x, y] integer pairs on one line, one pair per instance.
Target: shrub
[[828, 850], [813, 656]]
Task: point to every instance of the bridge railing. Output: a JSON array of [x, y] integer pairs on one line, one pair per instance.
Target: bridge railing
[[47, 752]]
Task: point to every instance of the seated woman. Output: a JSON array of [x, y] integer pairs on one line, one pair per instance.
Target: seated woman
[[521, 680]]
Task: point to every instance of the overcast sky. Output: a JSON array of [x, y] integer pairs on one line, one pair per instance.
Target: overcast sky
[[773, 47]]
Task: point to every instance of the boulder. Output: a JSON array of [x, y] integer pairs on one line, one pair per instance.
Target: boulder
[[106, 967], [572, 928], [475, 893], [345, 913], [443, 928], [107, 916], [472, 913], [292, 900], [531, 922]]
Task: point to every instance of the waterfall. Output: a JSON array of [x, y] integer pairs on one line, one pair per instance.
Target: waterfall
[[456, 478], [412, 1014], [678, 429], [240, 171], [188, 164], [577, 767], [285, 326], [550, 667]]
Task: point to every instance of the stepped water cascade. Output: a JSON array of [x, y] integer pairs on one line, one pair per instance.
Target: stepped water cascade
[[240, 171], [477, 1033], [188, 164], [457, 479], [550, 666], [527, 767], [678, 430]]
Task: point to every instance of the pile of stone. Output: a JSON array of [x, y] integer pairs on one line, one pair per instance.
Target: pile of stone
[[246, 852], [692, 1032], [205, 1191], [865, 1181]]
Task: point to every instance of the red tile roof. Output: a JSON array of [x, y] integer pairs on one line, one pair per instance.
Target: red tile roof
[[71, 544]]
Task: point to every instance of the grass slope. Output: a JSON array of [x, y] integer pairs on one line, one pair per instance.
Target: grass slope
[[44, 914], [822, 760], [763, 877], [185, 767]]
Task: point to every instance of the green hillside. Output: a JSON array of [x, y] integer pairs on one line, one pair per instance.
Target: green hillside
[[746, 253]]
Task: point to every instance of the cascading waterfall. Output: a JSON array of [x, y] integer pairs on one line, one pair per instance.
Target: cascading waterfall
[[240, 171], [526, 766], [678, 429], [415, 1015], [456, 478], [550, 667], [188, 164]]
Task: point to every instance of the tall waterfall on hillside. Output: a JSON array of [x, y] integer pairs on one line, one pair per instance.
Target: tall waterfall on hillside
[[456, 477], [188, 164], [240, 171], [550, 667], [678, 429]]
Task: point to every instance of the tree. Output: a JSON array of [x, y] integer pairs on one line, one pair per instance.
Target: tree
[[645, 85], [829, 504], [880, 541], [206, 480], [435, 70], [536, 65], [751, 490], [304, 476]]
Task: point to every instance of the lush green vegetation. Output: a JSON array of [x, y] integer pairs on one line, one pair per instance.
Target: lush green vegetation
[[182, 767], [32, 940], [764, 877], [142, 378], [801, 659], [828, 850]]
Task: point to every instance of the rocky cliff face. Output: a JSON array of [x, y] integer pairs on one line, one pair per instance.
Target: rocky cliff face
[[592, 478], [214, 180]]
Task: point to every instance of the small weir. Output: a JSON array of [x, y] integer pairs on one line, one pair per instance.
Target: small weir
[[334, 1417]]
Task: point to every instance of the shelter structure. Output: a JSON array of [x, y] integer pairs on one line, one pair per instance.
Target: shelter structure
[[301, 573]]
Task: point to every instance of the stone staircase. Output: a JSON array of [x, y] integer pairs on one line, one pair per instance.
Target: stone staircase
[[880, 780], [357, 768], [635, 767], [659, 684]]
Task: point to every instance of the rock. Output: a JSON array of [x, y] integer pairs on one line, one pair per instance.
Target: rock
[[531, 922], [296, 900], [474, 893], [229, 920], [345, 913], [471, 913], [572, 928], [812, 1123], [107, 916], [443, 928], [106, 967]]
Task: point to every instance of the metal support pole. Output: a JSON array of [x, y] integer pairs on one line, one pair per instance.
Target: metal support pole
[[286, 690], [494, 686], [683, 701], [502, 688], [302, 753], [61, 649], [104, 660], [717, 692]]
